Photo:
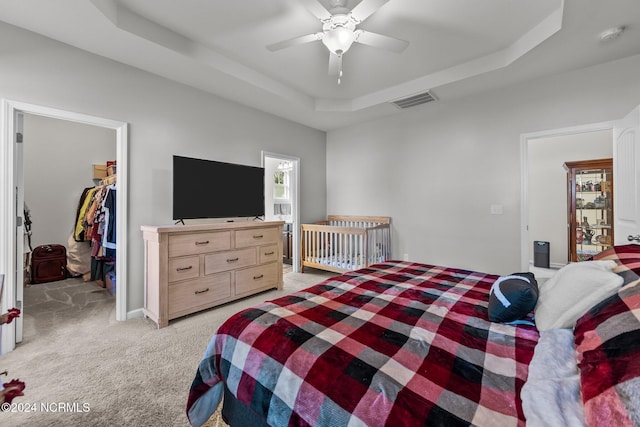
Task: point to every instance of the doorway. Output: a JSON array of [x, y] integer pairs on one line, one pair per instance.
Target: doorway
[[11, 226], [282, 195], [544, 191], [73, 156]]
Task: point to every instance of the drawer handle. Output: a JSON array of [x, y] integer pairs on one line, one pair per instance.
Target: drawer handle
[[201, 292], [184, 268], [259, 236], [232, 259], [202, 243], [258, 277], [269, 253]]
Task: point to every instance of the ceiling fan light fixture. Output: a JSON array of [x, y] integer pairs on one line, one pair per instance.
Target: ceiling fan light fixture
[[338, 40], [339, 30]]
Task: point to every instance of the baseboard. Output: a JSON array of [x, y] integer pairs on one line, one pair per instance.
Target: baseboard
[[135, 314], [552, 265]]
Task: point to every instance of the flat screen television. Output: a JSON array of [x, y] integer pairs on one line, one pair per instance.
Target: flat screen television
[[212, 189]]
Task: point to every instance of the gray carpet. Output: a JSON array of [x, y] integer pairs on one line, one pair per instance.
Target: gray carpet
[[83, 368]]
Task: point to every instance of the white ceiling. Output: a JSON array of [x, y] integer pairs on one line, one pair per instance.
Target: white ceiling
[[457, 47]]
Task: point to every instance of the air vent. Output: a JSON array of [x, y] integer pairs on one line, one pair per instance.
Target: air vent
[[413, 100]]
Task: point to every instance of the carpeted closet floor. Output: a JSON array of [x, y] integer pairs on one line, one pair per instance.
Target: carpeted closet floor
[[72, 300]]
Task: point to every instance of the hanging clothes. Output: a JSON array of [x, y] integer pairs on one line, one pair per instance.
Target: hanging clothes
[[109, 234], [83, 205], [96, 224], [103, 233]]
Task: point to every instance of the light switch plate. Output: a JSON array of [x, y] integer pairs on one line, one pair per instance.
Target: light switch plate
[[497, 210]]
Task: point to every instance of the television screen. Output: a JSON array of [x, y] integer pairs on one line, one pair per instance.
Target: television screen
[[211, 189]]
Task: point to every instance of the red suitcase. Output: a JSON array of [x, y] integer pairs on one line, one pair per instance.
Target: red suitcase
[[48, 263]]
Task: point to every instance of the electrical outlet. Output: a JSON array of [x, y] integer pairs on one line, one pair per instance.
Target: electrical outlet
[[405, 257]]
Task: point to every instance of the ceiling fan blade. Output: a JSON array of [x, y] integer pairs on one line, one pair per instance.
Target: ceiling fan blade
[[381, 41], [317, 9], [335, 64], [295, 41], [366, 8]]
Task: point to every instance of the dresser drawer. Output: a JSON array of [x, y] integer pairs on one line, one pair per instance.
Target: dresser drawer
[[267, 254], [184, 268], [258, 236], [253, 278], [191, 244], [183, 297], [223, 261]]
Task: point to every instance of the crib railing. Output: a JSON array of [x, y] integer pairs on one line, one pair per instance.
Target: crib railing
[[344, 243]]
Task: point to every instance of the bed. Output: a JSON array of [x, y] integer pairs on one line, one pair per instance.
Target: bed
[[400, 343], [395, 343], [345, 243]]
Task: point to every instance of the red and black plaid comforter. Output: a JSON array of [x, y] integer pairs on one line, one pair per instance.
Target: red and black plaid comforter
[[608, 347], [392, 344]]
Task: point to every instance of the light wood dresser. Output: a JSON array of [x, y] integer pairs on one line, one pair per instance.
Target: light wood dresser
[[189, 268]]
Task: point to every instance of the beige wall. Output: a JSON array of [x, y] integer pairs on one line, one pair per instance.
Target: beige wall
[[437, 169], [548, 185], [165, 118]]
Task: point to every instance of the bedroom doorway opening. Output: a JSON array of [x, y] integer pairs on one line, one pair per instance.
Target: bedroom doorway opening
[[544, 186], [282, 195], [71, 212], [12, 198]]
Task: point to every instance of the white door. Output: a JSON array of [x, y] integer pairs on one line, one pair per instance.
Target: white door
[[626, 166], [19, 180]]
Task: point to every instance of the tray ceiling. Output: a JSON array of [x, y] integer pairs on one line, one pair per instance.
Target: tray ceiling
[[455, 46]]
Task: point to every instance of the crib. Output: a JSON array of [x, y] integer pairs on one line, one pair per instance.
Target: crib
[[343, 243]]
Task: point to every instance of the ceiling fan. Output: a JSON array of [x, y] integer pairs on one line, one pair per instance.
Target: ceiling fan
[[339, 31]]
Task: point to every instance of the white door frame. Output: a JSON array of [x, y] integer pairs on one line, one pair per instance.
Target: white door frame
[[524, 179], [8, 212], [20, 228], [296, 204]]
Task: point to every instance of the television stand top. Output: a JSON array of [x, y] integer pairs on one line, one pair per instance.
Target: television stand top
[[209, 227]]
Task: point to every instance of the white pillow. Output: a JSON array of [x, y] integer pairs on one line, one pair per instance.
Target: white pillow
[[572, 291]]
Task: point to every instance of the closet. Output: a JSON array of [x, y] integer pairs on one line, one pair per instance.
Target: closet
[[74, 156]]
